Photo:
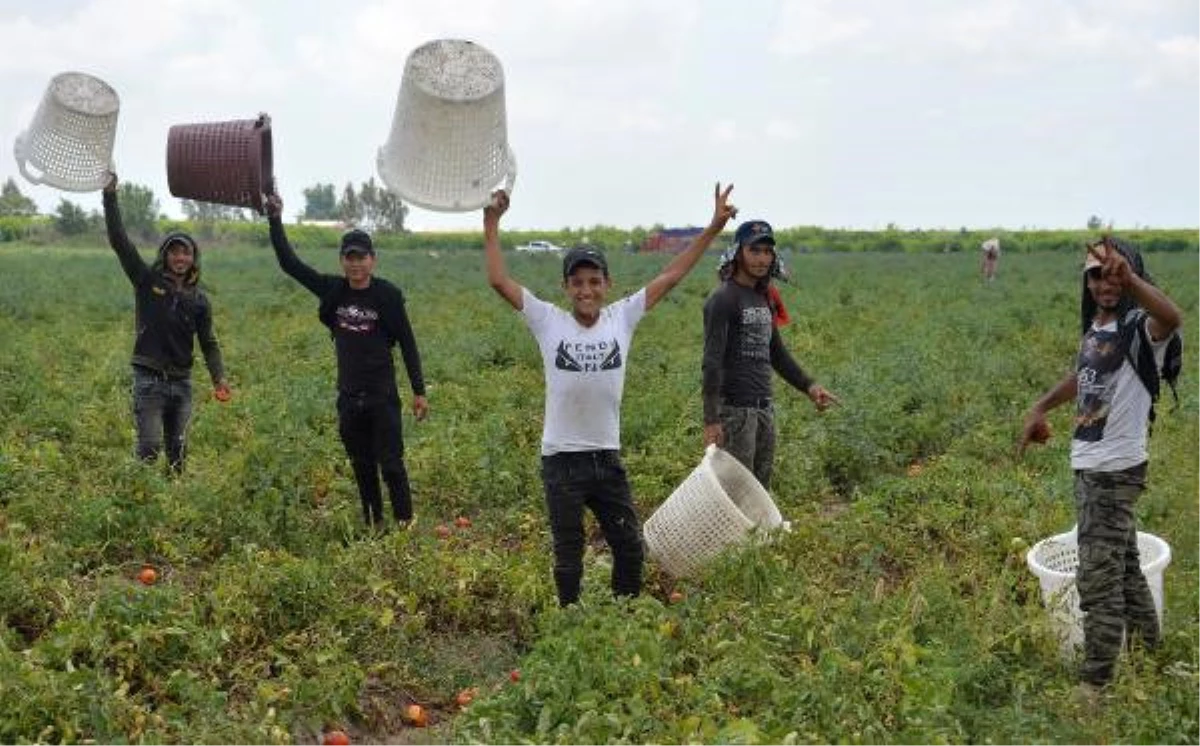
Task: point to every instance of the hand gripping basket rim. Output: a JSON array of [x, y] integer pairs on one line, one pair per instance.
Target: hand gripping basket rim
[[700, 518], [227, 163], [428, 201], [70, 140]]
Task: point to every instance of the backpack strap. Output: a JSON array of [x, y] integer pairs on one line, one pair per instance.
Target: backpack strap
[[1131, 330]]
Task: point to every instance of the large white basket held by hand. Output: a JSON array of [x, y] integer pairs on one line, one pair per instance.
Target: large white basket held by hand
[[1054, 562], [69, 144], [719, 504], [448, 149]]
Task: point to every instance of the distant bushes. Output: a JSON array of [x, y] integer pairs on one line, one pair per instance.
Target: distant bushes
[[16, 227], [803, 239]]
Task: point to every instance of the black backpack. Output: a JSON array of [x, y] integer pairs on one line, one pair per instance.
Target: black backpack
[[1141, 356]]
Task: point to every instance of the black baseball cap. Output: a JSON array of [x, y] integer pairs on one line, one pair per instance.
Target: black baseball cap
[[752, 232], [357, 240], [584, 255]]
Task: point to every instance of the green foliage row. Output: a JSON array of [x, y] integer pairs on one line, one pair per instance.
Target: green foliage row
[[791, 240], [897, 610]]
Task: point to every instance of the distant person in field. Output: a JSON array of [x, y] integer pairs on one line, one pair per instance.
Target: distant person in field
[[990, 257], [366, 318], [584, 355], [170, 311], [742, 345], [1121, 309]]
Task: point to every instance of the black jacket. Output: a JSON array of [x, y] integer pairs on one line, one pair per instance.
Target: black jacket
[[168, 316]]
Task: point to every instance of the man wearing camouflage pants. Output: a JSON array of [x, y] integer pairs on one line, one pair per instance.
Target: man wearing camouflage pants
[[1108, 450]]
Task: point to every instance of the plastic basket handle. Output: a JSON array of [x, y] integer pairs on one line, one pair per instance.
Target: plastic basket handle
[[22, 156]]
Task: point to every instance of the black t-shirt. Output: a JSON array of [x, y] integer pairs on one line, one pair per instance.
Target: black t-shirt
[[364, 351], [365, 323]]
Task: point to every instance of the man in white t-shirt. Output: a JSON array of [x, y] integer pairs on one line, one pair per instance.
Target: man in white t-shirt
[[584, 354], [1121, 308]]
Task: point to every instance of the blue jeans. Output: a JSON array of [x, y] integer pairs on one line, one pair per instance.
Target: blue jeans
[[595, 480], [162, 408]]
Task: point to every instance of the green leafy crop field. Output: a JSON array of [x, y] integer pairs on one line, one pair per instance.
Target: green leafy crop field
[[898, 610]]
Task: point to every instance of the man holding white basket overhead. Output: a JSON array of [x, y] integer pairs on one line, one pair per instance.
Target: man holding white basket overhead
[[584, 352]]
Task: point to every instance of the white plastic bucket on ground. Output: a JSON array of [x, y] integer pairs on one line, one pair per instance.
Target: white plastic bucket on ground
[[720, 503], [1054, 562], [69, 143], [448, 149]]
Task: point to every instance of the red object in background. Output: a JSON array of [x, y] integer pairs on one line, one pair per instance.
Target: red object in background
[[779, 313]]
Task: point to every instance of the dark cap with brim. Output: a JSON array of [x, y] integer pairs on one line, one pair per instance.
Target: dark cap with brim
[[357, 241], [581, 255], [752, 232]]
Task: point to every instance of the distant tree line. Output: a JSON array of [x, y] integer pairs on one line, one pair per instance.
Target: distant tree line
[[371, 206], [377, 209]]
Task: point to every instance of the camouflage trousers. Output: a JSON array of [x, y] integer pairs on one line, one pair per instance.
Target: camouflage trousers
[[1113, 593]]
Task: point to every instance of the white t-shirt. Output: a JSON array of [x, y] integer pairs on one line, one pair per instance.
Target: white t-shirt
[[584, 370], [1112, 407]]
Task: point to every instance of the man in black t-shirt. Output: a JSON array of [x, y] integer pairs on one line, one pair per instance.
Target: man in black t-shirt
[[366, 317], [741, 348]]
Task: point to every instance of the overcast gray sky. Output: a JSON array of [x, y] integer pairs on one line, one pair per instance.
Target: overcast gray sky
[[858, 113]]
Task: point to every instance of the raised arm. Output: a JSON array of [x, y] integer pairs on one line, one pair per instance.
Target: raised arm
[[508, 288], [1165, 316], [683, 262], [131, 261], [291, 264]]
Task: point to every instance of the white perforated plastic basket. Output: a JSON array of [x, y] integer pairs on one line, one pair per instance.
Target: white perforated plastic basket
[[1054, 562], [720, 503], [448, 149], [69, 144]]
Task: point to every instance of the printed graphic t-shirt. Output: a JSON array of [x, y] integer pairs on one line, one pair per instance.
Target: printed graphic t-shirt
[[364, 352], [1112, 407], [584, 371]]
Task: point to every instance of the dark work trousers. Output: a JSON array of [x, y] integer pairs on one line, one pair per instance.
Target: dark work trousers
[[595, 480], [162, 408], [370, 428], [750, 437], [1113, 593]]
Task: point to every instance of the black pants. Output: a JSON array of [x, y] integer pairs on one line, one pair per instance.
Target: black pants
[[595, 480], [370, 428]]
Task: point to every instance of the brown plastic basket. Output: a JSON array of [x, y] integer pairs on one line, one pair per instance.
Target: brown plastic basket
[[229, 163]]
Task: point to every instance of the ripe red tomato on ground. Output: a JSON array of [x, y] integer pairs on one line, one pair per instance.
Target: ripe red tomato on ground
[[148, 576], [415, 715], [336, 738], [514, 675], [466, 696]]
